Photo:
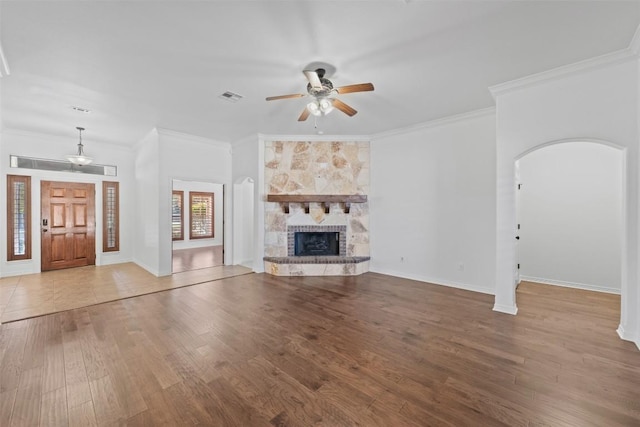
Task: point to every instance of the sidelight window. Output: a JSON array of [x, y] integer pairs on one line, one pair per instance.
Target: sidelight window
[[18, 217], [110, 216]]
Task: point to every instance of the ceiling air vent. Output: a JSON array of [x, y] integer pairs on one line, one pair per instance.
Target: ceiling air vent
[[80, 109], [231, 97]]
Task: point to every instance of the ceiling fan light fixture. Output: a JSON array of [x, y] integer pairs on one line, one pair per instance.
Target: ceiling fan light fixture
[[320, 106], [323, 95], [314, 107], [80, 158], [326, 105]]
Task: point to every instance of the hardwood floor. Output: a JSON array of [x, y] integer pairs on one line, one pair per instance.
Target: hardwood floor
[[43, 293], [369, 350], [195, 258]]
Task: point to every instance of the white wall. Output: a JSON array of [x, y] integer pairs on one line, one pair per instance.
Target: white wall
[[147, 216], [570, 213], [633, 280], [433, 202], [46, 147], [243, 219], [582, 103], [218, 210], [188, 158], [247, 163], [247, 220]]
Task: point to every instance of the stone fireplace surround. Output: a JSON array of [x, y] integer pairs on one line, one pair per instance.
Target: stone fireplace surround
[[342, 258], [331, 170]]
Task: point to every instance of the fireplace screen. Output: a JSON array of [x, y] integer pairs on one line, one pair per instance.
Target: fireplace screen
[[317, 243]]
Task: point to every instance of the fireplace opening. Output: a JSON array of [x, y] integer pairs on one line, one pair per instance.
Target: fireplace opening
[[317, 243]]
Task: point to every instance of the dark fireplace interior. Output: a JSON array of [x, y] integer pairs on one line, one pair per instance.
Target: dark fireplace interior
[[316, 243]]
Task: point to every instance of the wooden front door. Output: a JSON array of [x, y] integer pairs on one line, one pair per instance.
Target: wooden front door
[[67, 225]]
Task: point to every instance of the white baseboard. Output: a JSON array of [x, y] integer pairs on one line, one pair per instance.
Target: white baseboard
[[623, 335], [18, 272], [246, 263], [105, 259], [565, 284], [258, 267], [621, 332], [441, 282], [508, 309], [149, 269]]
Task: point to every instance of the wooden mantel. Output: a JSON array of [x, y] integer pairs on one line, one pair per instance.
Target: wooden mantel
[[325, 199]]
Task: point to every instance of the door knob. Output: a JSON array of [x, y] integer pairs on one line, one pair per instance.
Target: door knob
[[517, 237]]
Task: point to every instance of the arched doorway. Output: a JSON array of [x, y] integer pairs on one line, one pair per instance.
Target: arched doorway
[[569, 216], [506, 231]]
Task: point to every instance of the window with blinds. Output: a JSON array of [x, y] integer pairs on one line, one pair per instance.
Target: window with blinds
[[110, 216], [177, 215], [19, 217], [201, 209]]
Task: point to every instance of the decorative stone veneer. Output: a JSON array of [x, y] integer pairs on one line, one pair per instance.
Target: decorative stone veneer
[[316, 168], [309, 269]]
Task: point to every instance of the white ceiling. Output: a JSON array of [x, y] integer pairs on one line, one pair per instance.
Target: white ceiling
[[142, 64]]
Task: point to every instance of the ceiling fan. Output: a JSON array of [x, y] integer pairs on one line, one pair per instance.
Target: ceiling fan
[[322, 91]]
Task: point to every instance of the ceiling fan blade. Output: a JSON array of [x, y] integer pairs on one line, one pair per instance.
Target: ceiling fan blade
[[361, 87], [304, 115], [295, 95], [314, 79], [344, 107]]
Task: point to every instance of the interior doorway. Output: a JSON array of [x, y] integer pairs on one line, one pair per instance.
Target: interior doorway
[[67, 225], [569, 212], [197, 225]]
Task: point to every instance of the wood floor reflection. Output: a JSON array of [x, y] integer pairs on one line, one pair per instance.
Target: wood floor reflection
[[43, 293]]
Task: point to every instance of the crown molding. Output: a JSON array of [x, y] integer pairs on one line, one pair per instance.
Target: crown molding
[[4, 65], [613, 58], [193, 138], [312, 137], [437, 122]]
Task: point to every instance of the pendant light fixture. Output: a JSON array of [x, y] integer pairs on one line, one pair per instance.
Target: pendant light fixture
[[79, 158]]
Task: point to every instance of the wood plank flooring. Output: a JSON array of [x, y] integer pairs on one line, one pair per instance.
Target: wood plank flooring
[[370, 350], [195, 258], [43, 293]]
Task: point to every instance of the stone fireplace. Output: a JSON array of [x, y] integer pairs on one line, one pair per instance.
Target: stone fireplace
[[316, 215]]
